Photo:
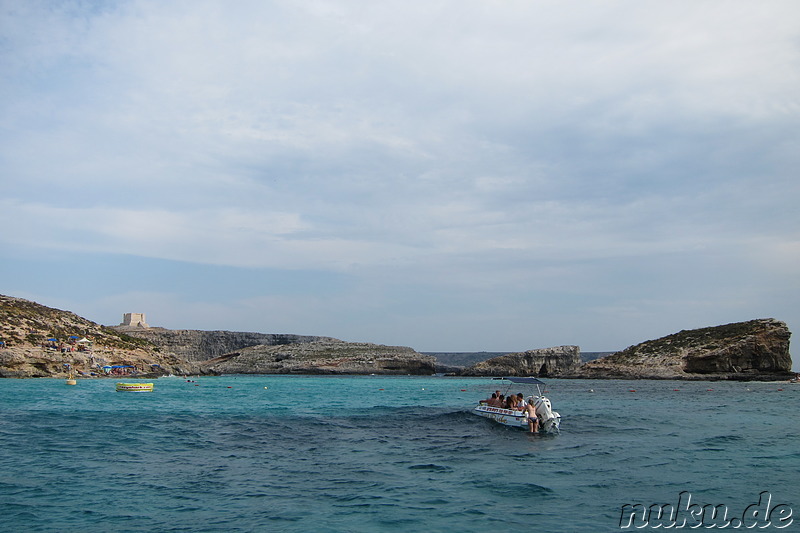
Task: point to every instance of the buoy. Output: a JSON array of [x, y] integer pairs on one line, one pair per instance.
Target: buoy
[[632, 390], [230, 387], [591, 390], [381, 389], [462, 390], [71, 382], [266, 387], [780, 389], [676, 390], [134, 387], [709, 390]]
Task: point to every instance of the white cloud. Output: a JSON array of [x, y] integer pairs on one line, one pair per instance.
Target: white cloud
[[452, 144]]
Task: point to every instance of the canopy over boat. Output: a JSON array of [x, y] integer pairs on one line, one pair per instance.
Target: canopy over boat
[[529, 381]]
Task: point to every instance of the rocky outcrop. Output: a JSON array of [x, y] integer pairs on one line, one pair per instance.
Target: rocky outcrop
[[197, 345], [544, 362], [26, 330], [757, 349], [324, 357], [29, 362]]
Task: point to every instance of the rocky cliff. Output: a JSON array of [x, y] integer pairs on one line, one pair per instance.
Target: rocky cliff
[[37, 341], [325, 357], [757, 349], [544, 362], [197, 345], [27, 351]]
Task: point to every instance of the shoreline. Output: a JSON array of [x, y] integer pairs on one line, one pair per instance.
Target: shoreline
[[711, 379]]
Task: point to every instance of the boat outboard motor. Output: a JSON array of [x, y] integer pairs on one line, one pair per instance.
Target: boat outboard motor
[[548, 419]]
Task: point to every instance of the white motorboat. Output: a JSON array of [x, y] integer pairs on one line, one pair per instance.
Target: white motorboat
[[549, 420]]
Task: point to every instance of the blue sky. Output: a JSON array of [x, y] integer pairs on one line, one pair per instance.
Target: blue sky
[[449, 175]]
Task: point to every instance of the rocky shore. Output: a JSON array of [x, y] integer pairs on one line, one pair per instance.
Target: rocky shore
[[744, 351], [198, 345], [324, 357], [38, 341], [544, 362]]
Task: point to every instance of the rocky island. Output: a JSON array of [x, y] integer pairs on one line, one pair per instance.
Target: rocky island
[[544, 362], [752, 350]]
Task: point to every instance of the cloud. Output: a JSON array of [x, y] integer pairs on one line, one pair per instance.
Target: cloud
[[524, 149]]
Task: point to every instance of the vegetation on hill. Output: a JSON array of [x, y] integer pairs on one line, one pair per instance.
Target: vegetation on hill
[[23, 322], [755, 349]]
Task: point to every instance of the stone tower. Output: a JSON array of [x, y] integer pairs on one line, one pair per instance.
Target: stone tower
[[134, 320]]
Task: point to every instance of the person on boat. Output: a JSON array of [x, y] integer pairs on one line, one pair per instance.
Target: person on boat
[[521, 403], [489, 401], [501, 401], [494, 401], [533, 421], [511, 402]]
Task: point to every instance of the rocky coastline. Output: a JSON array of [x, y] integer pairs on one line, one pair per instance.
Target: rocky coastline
[[38, 341], [544, 362], [324, 357], [741, 351], [198, 345]]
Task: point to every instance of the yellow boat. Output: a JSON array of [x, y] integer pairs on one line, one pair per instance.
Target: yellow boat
[[134, 387]]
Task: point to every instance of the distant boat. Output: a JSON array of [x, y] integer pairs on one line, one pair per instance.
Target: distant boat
[[549, 420], [134, 387]]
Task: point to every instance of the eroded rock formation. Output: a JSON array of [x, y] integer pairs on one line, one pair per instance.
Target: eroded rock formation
[[325, 357], [756, 349], [198, 345], [544, 362]]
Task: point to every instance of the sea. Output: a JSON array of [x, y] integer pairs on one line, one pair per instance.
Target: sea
[[377, 453]]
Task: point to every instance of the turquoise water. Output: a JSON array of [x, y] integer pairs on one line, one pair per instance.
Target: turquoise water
[[374, 453]]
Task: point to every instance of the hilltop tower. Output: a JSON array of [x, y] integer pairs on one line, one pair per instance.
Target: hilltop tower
[[134, 320]]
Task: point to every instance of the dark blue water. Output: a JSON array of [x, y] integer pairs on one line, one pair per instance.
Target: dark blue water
[[365, 454]]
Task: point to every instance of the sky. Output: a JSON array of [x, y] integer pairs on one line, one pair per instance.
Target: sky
[[446, 175]]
